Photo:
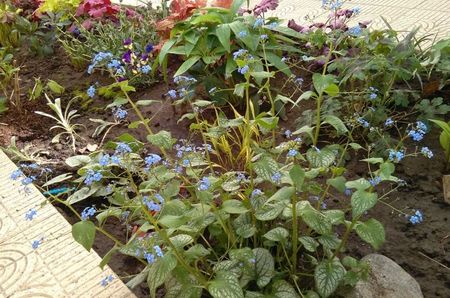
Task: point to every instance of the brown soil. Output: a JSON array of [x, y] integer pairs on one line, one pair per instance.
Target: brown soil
[[422, 250]]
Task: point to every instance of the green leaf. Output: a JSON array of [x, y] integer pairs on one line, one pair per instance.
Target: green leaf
[[265, 167], [284, 194], [187, 65], [181, 240], [162, 139], [234, 207], [338, 183], [147, 102], [223, 34], [78, 160], [239, 89], [264, 266], [160, 271], [322, 82], [269, 211], [197, 251], [360, 184], [362, 201], [278, 234], [225, 285], [328, 275], [84, 233], [309, 243], [336, 123], [55, 87], [313, 218], [283, 289], [165, 49], [277, 61], [371, 231], [58, 179], [386, 170], [297, 175], [322, 158], [332, 90]]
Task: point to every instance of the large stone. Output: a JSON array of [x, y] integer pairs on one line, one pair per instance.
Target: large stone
[[386, 280]]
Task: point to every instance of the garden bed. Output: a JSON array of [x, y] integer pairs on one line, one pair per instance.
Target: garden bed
[[413, 247]]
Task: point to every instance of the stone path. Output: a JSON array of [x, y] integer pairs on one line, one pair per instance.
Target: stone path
[[59, 267], [433, 16]]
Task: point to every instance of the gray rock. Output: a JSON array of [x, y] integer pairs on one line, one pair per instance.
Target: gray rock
[[386, 280]]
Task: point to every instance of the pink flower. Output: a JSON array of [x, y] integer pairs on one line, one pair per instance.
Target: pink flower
[[264, 6]]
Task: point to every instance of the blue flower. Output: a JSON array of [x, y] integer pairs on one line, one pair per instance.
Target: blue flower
[[152, 159], [204, 184], [241, 177], [375, 180], [258, 23], [158, 251], [416, 218], [421, 126], [239, 53], [115, 159], [28, 180], [149, 257], [31, 214], [264, 36], [416, 135], [123, 148], [287, 133], [159, 198], [355, 31], [172, 93], [92, 176], [348, 192], [396, 156], [114, 64], [389, 122], [88, 212], [356, 10], [323, 206], [105, 281], [363, 122], [426, 152], [292, 153], [120, 113], [35, 244], [242, 34], [146, 69], [16, 174], [151, 205], [256, 192], [104, 160], [243, 70], [272, 26], [91, 91], [299, 81], [276, 178]]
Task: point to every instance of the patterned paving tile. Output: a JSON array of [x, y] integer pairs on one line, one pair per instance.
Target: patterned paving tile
[[60, 267]]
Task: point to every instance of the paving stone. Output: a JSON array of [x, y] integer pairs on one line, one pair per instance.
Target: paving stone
[[59, 267]]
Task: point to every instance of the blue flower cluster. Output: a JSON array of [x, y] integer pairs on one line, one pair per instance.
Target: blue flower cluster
[[184, 84], [105, 281], [31, 214], [276, 178], [123, 148], [151, 204], [418, 131], [373, 93], [416, 218], [106, 160], [363, 122], [396, 155], [91, 91], [88, 212], [204, 184], [426, 152], [355, 31], [292, 153], [389, 122], [92, 176], [150, 257], [120, 113], [256, 192], [152, 159], [375, 181], [35, 244], [99, 57]]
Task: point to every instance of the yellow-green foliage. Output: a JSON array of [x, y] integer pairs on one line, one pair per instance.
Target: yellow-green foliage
[[59, 5]]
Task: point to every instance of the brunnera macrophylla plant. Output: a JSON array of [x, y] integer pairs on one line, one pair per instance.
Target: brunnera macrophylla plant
[[219, 47], [272, 228]]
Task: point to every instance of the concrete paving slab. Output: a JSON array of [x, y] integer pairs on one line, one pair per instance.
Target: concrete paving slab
[[59, 267]]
